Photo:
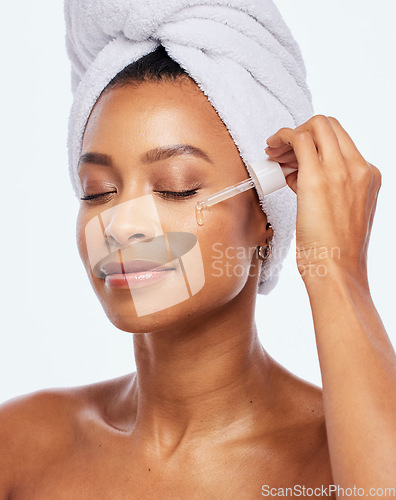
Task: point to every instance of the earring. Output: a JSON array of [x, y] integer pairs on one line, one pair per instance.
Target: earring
[[267, 252]]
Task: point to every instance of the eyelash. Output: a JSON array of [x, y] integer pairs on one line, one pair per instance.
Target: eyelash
[[177, 194], [166, 194], [96, 196]]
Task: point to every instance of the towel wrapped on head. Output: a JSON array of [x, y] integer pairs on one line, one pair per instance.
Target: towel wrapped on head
[[239, 52]]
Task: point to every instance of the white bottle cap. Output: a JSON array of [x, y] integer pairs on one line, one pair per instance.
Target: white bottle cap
[[267, 176]]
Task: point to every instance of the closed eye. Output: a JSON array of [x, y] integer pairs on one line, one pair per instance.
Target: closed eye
[[89, 197], [177, 194], [165, 194]]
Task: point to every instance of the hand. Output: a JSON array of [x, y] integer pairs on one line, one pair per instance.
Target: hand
[[336, 191]]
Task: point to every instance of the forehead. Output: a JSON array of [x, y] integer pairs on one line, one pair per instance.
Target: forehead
[[155, 114]]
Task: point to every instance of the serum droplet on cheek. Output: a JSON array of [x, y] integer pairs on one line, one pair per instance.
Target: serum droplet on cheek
[[198, 214]]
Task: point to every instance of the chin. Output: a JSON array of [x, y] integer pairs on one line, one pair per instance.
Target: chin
[[121, 311], [125, 318]]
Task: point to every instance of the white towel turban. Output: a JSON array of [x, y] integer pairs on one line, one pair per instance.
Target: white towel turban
[[239, 52]]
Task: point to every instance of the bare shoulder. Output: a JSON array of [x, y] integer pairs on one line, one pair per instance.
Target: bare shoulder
[[39, 427], [46, 412], [29, 425]]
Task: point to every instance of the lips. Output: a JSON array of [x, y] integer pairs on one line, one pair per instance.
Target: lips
[[134, 266]]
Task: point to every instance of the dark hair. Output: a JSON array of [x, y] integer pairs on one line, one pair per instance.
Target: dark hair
[[156, 66]]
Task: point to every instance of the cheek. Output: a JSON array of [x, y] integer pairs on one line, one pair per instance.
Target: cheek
[[80, 237], [81, 240], [227, 242]]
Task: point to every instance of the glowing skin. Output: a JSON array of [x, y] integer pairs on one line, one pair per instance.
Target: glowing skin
[[208, 413], [125, 125]]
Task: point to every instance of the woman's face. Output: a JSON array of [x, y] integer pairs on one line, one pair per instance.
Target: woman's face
[[142, 144]]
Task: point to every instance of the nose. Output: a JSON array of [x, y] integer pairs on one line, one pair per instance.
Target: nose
[[131, 221]]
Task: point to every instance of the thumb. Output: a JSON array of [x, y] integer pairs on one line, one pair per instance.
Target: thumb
[[291, 180]]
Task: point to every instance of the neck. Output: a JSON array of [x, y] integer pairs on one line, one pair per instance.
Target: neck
[[211, 375]]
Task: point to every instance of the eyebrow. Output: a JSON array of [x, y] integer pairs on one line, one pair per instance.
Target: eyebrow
[[96, 158], [165, 152], [152, 156]]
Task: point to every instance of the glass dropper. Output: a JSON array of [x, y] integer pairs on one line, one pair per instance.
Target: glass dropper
[[265, 175], [222, 195]]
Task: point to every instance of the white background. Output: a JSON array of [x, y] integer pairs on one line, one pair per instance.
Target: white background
[[53, 329]]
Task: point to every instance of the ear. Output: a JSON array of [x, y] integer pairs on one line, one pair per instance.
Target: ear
[[270, 231], [264, 230]]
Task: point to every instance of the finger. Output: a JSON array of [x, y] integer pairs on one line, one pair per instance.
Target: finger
[[291, 180], [302, 143], [347, 146], [287, 168], [290, 156], [278, 151], [324, 136], [280, 139]]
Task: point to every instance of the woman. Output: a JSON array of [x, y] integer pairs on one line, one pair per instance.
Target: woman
[[209, 414]]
